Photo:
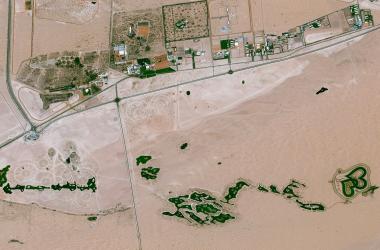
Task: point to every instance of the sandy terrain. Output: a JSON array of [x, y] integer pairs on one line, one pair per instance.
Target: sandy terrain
[[269, 130], [95, 136], [32, 226], [132, 86], [52, 36], [287, 133], [32, 103], [73, 11], [338, 25], [22, 35], [3, 30], [238, 17], [280, 16], [10, 125], [311, 37]]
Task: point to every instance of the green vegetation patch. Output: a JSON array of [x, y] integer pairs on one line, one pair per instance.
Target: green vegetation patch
[[165, 71], [233, 191], [197, 196], [91, 75], [181, 24], [93, 89], [91, 185], [370, 190], [143, 159], [184, 146], [226, 44], [77, 62], [203, 208], [290, 192], [199, 208], [8, 189], [92, 218], [353, 181], [3, 175], [261, 188], [149, 173]]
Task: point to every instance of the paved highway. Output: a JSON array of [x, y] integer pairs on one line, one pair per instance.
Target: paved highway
[[296, 53]]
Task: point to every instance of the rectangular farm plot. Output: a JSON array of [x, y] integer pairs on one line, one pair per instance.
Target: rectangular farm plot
[[185, 21], [138, 34], [229, 17]]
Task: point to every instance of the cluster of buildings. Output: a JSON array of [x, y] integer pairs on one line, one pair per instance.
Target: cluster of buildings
[[257, 45], [263, 45], [140, 67]]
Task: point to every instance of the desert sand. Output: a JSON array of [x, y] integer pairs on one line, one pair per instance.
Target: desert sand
[[37, 228], [287, 133], [52, 36], [10, 125], [280, 16], [22, 35], [269, 130]]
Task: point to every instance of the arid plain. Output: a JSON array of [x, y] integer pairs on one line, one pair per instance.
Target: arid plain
[[265, 125]]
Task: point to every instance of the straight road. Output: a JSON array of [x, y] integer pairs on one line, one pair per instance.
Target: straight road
[[297, 53], [8, 69]]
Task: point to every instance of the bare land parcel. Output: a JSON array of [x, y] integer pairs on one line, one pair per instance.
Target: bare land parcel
[[68, 11], [229, 17], [280, 16], [53, 34]]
